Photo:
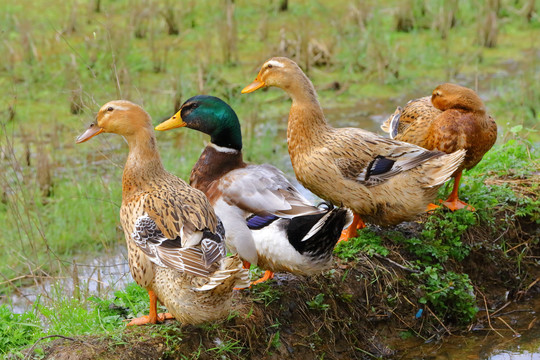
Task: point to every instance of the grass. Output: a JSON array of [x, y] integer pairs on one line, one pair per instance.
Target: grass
[[67, 316]]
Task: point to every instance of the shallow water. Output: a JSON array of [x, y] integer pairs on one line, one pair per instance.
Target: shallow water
[[95, 276], [514, 334]]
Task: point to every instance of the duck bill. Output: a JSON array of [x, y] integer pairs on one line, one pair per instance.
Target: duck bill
[[255, 85], [173, 123], [92, 131]]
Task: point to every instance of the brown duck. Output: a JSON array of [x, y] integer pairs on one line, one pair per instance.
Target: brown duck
[[452, 118], [175, 241], [382, 181]]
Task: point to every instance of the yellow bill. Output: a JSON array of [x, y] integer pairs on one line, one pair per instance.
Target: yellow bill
[[173, 123]]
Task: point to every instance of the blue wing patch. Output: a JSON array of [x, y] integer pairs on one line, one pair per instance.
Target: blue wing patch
[[257, 222]]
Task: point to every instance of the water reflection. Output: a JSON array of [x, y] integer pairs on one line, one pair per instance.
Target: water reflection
[[516, 336], [93, 276]]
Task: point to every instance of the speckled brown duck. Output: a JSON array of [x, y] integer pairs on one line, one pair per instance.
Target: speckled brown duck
[[382, 181], [175, 241], [267, 221], [452, 118]]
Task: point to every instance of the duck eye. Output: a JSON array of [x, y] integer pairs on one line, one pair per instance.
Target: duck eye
[[270, 66], [110, 108]]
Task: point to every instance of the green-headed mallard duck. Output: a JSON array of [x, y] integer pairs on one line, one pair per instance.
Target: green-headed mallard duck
[[267, 221], [452, 118], [175, 241], [383, 181]]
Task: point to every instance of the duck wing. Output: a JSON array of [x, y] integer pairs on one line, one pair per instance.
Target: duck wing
[[264, 190], [379, 159], [179, 229], [179, 210], [197, 260]]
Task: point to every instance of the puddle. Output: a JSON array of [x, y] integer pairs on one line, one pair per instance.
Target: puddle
[[516, 336], [94, 276]]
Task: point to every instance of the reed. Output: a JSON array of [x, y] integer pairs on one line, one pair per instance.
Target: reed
[[404, 17], [228, 34], [43, 171], [169, 14], [489, 25], [446, 17]]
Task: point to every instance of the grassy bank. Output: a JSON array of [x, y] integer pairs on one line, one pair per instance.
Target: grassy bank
[[445, 273]]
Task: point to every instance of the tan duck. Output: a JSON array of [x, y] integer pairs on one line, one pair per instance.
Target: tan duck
[[452, 118], [267, 221], [382, 181], [175, 241]]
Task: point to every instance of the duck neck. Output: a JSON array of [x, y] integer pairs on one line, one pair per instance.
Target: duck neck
[[306, 119], [143, 164], [214, 162]]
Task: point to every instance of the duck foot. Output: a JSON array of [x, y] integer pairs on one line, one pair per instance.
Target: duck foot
[[145, 319], [352, 230], [456, 204], [432, 207], [267, 276]]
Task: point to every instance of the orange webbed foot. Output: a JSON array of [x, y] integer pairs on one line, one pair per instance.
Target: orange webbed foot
[[432, 207], [146, 319], [351, 231], [267, 276], [457, 205]]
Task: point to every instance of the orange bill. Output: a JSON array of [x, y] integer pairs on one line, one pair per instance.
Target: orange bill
[[173, 123], [92, 131], [255, 85]]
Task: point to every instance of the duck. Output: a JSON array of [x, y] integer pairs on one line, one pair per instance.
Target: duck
[[175, 241], [383, 181], [452, 118], [267, 221]]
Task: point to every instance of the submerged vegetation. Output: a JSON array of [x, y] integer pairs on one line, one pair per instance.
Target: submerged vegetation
[[59, 201]]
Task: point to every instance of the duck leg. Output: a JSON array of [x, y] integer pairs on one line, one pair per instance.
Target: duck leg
[[267, 276], [453, 202], [153, 317], [351, 231]]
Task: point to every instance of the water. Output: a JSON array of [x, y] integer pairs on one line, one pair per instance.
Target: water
[[100, 276], [515, 336]]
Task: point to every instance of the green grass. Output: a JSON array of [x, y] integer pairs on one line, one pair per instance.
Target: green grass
[[67, 316]]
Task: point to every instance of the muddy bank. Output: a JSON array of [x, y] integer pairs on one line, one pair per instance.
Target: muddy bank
[[366, 307]]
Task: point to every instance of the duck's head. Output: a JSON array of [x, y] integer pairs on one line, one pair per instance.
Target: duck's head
[[121, 117], [278, 71], [210, 115], [452, 96]]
